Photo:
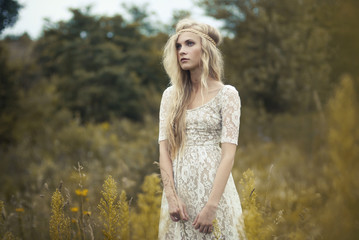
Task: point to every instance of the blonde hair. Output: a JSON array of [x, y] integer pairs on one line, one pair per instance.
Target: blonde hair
[[212, 66]]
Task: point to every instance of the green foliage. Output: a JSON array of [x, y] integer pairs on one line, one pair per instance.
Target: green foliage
[[1, 210], [2, 218], [176, 16], [9, 10], [287, 185], [88, 92], [276, 54], [102, 72], [8, 97], [342, 18], [9, 236], [140, 18], [48, 139], [59, 222]]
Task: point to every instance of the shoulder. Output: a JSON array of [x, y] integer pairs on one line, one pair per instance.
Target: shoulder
[[229, 90], [230, 96], [167, 92]]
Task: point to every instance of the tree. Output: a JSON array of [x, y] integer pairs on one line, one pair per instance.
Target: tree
[[9, 10], [103, 72], [139, 16], [177, 15], [341, 18], [8, 97], [276, 52]]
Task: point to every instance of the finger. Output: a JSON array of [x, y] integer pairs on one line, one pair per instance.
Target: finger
[[185, 213], [182, 214], [197, 226], [195, 221], [201, 228], [175, 217]]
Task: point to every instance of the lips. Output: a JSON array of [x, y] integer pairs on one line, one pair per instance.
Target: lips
[[184, 59]]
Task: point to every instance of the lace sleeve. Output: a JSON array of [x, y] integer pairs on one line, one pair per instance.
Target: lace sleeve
[[231, 112], [164, 108]]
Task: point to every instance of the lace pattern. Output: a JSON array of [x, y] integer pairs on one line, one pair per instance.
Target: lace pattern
[[194, 171]]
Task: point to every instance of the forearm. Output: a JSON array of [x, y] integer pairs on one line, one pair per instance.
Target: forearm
[[167, 178], [166, 171], [222, 174], [220, 181]]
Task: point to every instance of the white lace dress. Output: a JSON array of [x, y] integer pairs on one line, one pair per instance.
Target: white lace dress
[[194, 172]]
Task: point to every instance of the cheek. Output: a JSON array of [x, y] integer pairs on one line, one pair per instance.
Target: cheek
[[198, 53]]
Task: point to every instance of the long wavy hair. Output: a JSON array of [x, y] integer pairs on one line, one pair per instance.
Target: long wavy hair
[[212, 66]]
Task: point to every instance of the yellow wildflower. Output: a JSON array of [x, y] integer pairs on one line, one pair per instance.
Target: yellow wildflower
[[216, 229], [20, 210], [87, 213], [74, 209], [80, 192], [73, 220], [105, 126]]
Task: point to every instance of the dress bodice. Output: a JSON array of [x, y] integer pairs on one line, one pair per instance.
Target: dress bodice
[[203, 124], [214, 122]]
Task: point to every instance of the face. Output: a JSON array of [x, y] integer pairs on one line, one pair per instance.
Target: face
[[189, 51]]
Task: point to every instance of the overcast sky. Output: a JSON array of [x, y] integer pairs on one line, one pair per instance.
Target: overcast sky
[[31, 16]]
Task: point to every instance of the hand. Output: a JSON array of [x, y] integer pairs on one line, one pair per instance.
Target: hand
[[177, 209], [204, 220]]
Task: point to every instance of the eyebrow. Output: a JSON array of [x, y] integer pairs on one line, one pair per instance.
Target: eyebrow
[[187, 40]]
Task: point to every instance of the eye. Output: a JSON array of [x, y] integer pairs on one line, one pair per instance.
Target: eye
[[178, 46], [190, 43]]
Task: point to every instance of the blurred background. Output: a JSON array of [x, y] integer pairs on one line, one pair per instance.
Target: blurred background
[[79, 102]]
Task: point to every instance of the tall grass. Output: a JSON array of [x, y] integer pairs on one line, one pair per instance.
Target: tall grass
[[113, 211], [289, 192], [59, 222]]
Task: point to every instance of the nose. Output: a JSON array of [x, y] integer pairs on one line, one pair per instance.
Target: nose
[[182, 51]]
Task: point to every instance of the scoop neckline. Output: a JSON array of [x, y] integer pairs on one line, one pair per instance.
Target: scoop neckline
[[211, 100]]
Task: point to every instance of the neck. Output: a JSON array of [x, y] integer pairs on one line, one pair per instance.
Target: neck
[[196, 79]]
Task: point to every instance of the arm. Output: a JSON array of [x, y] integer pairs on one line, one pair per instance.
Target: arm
[[222, 175], [231, 106], [204, 220], [177, 209], [166, 171]]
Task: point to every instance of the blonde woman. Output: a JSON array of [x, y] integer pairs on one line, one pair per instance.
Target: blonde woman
[[199, 124]]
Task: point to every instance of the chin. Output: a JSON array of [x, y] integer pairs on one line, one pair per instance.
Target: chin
[[187, 68]]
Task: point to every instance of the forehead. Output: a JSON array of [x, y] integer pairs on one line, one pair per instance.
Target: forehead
[[186, 36]]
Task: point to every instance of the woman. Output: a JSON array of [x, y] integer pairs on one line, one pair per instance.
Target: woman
[[197, 114]]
